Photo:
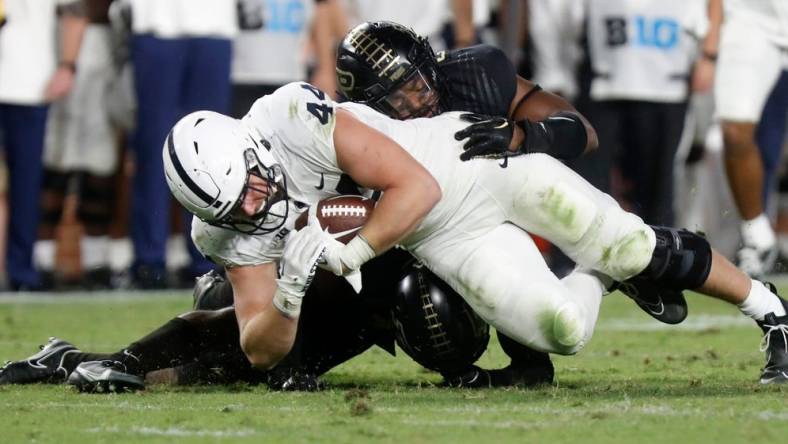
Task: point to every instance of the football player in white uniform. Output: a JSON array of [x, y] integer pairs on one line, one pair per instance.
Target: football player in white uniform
[[248, 179]]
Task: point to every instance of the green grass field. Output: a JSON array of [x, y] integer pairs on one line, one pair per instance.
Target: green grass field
[[637, 382]]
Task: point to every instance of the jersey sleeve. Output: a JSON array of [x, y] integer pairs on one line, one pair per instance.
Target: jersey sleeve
[[480, 79], [230, 248], [300, 117], [500, 70]]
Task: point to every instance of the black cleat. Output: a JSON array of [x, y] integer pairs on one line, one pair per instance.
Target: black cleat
[[523, 376], [663, 304], [471, 377], [775, 344], [212, 292], [293, 380], [509, 376], [44, 366], [104, 377]]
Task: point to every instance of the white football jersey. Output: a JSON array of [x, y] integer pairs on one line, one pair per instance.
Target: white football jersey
[[298, 120]]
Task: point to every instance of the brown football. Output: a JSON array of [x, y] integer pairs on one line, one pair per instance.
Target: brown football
[[341, 216]]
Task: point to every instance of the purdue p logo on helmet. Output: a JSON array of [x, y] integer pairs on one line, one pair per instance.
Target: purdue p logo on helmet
[[377, 60]]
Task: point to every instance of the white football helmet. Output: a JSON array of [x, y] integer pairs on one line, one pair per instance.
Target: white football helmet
[[208, 158]]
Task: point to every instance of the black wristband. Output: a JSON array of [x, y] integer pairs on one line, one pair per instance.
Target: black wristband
[[71, 66], [561, 135], [710, 56]]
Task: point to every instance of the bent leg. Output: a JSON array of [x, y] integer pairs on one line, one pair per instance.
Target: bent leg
[[504, 278], [546, 198]]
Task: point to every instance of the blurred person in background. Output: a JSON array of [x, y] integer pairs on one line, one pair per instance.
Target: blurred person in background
[[447, 24], [279, 31], [181, 52], [642, 55], [37, 67], [753, 51], [770, 137], [80, 153], [555, 27]]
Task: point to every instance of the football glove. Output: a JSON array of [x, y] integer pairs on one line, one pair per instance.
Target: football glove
[[488, 137], [340, 259], [297, 269]]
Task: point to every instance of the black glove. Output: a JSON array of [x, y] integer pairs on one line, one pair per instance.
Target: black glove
[[488, 136]]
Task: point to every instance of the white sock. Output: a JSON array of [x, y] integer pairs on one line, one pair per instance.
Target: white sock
[[758, 232], [94, 251], [121, 254], [760, 302], [44, 254], [587, 290]]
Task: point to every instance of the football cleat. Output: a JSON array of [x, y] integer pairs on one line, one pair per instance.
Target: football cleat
[[523, 376], [44, 366], [471, 377], [104, 377], [292, 380], [775, 344], [757, 262], [663, 304], [209, 292]]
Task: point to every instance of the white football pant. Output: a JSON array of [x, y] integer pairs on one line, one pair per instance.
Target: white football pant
[[486, 256]]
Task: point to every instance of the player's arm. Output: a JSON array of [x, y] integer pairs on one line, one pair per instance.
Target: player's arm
[[535, 121], [553, 124], [267, 334], [377, 162], [72, 24]]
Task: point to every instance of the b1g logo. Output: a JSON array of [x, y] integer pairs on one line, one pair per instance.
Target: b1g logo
[[659, 32]]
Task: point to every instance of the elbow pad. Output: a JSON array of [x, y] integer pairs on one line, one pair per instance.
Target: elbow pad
[[561, 135]]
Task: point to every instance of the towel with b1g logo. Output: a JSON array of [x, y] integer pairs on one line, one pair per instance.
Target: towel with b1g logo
[[644, 49]]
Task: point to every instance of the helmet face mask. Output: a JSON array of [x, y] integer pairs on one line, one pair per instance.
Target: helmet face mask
[[390, 68], [273, 210], [211, 163], [414, 98]]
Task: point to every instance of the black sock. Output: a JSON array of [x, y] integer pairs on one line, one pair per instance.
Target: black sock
[[165, 347], [73, 359], [182, 340]]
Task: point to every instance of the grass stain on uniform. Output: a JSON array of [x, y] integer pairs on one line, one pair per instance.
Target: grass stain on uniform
[[556, 204]]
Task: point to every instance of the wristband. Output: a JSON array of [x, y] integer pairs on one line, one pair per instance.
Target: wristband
[[355, 253], [710, 56], [71, 66], [289, 304], [562, 135]]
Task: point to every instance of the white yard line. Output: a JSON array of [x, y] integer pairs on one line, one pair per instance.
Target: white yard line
[[694, 322], [97, 297], [174, 431]]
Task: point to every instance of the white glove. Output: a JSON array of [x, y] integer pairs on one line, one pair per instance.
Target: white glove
[[297, 269], [344, 260]]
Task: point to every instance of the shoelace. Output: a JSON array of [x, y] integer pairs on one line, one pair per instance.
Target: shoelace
[[766, 341]]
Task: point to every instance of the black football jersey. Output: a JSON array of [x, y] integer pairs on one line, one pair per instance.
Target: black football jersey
[[479, 79]]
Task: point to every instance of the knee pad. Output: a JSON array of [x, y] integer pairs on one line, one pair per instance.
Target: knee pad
[[434, 325], [681, 259]]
